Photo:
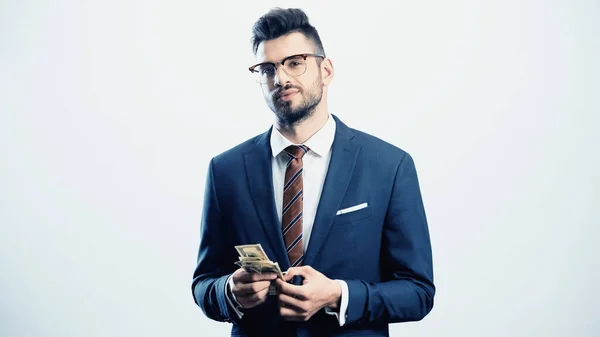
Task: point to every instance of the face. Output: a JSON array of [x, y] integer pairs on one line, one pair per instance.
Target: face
[[292, 98]]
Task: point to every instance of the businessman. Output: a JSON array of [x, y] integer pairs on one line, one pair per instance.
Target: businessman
[[338, 209]]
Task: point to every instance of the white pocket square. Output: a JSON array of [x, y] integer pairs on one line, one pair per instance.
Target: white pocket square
[[352, 209]]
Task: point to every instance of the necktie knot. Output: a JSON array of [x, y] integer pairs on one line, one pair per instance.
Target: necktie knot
[[296, 151]]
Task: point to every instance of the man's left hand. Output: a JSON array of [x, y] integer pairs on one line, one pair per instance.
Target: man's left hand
[[300, 303]]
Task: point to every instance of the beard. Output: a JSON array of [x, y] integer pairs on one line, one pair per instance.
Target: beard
[[288, 115]]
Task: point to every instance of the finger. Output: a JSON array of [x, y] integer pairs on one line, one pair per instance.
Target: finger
[[288, 276], [238, 274], [304, 271], [263, 276], [290, 289], [247, 277], [291, 315], [253, 299], [247, 289], [290, 302], [254, 277]]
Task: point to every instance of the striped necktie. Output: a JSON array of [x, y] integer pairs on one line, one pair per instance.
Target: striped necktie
[[291, 220]]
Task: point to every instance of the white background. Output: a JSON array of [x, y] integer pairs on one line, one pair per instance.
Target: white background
[[111, 110]]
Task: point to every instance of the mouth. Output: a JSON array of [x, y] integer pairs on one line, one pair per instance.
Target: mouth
[[286, 95]]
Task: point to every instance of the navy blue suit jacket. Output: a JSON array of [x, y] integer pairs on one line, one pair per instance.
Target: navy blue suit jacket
[[382, 251]]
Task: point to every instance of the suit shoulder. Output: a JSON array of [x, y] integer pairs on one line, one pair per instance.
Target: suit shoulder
[[378, 147], [235, 153]]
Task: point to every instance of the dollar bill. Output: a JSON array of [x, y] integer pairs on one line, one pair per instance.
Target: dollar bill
[[252, 251]]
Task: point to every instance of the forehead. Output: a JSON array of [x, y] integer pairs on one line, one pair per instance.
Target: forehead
[[277, 49]]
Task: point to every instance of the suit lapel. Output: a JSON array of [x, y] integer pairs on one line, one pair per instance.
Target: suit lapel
[[341, 167], [259, 174]]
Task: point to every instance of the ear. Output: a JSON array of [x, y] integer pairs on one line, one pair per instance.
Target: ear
[[326, 71]]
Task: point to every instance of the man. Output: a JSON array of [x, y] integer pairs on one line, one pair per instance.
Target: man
[[339, 210]]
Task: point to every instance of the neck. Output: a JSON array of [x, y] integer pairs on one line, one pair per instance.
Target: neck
[[302, 131]]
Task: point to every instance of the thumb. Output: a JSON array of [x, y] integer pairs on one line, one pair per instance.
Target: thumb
[[304, 271]]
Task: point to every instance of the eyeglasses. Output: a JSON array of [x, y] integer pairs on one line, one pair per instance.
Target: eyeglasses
[[294, 65]]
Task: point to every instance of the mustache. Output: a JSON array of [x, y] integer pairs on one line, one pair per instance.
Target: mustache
[[278, 93]]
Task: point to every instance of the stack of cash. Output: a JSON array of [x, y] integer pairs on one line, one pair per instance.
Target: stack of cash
[[254, 260]]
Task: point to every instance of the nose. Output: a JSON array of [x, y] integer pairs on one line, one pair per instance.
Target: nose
[[281, 77]]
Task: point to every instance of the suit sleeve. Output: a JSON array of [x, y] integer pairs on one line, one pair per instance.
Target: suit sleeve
[[407, 290], [211, 273]]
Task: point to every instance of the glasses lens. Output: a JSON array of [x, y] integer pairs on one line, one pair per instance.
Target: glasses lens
[[264, 73], [295, 66]]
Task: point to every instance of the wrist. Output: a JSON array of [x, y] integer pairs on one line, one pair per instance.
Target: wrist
[[336, 295], [231, 295]]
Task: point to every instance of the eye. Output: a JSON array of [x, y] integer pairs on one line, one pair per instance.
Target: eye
[[266, 70], [295, 62]]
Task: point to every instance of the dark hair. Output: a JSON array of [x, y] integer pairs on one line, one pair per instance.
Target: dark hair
[[278, 22]]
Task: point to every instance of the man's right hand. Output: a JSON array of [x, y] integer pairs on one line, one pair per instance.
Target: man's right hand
[[251, 289]]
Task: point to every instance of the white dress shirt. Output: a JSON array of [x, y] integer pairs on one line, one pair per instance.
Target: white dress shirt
[[315, 165]]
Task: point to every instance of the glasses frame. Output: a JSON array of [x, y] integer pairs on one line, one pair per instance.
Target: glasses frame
[[276, 64]]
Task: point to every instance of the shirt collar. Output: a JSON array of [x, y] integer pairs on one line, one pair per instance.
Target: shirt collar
[[320, 143]]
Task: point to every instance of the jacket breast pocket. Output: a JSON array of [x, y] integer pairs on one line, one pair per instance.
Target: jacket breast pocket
[[350, 214]]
